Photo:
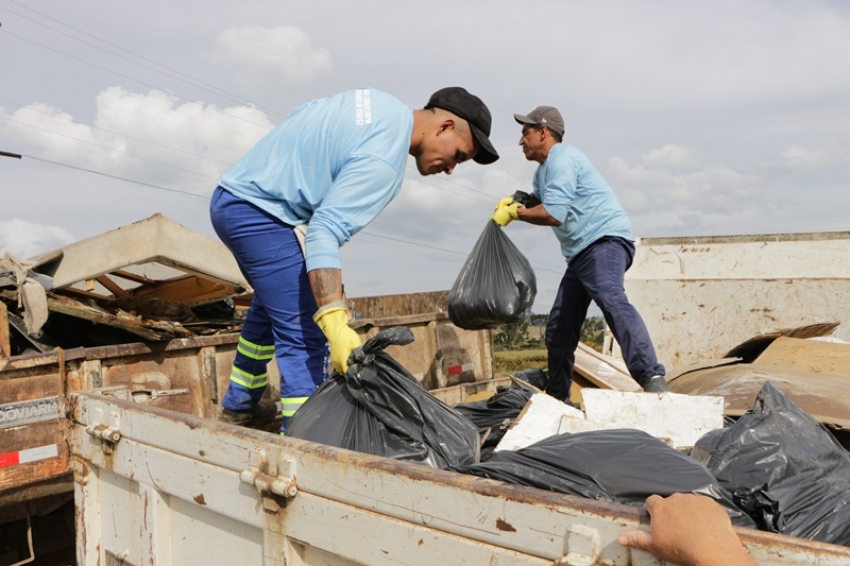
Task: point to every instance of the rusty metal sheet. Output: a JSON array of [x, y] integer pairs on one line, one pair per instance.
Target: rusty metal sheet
[[751, 349], [32, 385], [817, 356], [466, 392], [46, 445], [825, 397], [384, 306]]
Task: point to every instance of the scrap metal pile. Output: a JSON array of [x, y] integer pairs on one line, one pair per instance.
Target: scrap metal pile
[[153, 280]]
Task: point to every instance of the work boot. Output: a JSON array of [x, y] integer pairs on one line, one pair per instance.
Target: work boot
[[263, 413], [656, 384]]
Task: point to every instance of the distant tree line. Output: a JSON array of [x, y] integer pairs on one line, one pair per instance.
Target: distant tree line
[[516, 336]]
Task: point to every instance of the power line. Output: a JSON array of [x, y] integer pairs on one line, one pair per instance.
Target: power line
[[206, 198], [173, 73], [118, 177], [134, 80], [110, 149], [409, 242], [174, 149], [233, 97], [170, 148], [113, 150], [449, 181]]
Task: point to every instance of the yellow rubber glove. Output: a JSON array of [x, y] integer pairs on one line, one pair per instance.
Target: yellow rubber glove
[[505, 214], [505, 202], [333, 320]]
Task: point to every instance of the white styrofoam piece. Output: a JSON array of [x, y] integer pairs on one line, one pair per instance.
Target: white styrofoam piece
[[572, 425], [681, 419], [541, 419]]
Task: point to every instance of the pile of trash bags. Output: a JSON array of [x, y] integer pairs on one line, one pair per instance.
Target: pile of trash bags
[[775, 468]]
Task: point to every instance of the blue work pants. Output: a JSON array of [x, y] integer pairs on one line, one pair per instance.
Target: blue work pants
[[597, 274], [279, 322]]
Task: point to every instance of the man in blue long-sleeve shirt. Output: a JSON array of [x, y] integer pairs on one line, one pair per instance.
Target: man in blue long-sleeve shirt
[[332, 166], [597, 241]]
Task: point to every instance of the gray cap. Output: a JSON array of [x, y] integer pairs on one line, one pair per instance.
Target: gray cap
[[543, 116]]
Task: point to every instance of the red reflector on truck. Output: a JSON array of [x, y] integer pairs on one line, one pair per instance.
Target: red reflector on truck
[[28, 455], [453, 370]]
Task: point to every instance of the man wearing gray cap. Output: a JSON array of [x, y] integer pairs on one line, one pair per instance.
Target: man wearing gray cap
[[596, 238]]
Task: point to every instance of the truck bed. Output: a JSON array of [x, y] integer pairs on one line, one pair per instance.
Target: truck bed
[[159, 487]]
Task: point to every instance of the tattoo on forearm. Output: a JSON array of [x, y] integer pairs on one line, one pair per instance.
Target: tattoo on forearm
[[325, 283]]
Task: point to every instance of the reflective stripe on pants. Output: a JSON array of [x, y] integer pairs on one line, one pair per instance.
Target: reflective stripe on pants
[[280, 318]]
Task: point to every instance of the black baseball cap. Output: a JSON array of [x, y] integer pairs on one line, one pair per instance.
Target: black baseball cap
[[458, 101]]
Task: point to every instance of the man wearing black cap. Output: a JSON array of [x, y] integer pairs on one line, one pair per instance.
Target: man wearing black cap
[[596, 238], [331, 167]]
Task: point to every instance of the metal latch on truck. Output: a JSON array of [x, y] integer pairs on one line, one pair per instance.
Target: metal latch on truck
[[109, 434], [267, 481]]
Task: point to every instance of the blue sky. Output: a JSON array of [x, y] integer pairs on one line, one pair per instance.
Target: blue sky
[[711, 118]]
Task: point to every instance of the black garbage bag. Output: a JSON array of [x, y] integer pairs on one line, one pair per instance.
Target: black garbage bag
[[379, 408], [622, 465], [784, 468], [494, 416], [495, 286], [533, 376]]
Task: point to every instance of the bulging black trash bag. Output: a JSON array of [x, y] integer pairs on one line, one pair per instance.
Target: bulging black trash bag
[[495, 286], [784, 468], [623, 465], [379, 408]]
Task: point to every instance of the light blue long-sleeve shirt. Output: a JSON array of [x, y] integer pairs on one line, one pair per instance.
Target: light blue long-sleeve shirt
[[334, 163], [575, 193]]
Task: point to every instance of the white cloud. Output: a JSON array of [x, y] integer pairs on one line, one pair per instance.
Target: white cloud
[[671, 156], [152, 137], [800, 158], [49, 131], [271, 58], [712, 197], [25, 239]]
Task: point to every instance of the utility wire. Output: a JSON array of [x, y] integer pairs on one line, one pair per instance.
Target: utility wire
[[212, 107], [420, 254], [170, 148], [110, 149], [264, 126], [173, 73], [232, 96], [113, 150], [206, 198], [195, 195], [463, 187]]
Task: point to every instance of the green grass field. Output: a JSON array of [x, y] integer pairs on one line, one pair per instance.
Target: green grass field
[[516, 360]]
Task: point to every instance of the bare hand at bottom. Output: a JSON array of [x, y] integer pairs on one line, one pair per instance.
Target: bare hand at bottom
[[689, 530]]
